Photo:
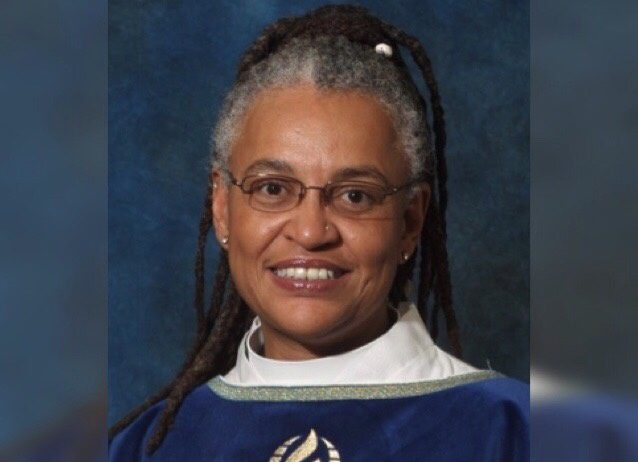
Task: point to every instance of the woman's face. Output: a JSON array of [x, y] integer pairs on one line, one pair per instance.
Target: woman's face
[[316, 137]]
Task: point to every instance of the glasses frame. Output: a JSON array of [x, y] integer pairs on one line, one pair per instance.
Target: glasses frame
[[325, 197]]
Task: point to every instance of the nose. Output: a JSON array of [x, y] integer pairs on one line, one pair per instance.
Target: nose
[[309, 225]]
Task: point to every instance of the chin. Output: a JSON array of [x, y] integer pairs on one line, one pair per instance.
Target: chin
[[306, 319]]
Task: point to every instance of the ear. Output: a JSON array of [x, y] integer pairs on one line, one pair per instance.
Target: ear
[[414, 218], [220, 205]]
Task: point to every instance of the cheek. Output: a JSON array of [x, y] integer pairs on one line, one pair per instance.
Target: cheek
[[252, 231], [250, 235], [374, 245]]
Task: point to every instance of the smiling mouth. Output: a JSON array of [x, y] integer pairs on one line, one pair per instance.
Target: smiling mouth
[[301, 277], [309, 270], [308, 274]]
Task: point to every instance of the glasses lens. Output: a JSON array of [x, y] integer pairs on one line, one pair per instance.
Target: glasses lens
[[272, 193], [356, 198]]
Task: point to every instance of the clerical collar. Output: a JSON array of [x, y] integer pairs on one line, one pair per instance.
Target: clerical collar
[[404, 353]]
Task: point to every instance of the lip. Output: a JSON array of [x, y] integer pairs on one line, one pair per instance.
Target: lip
[[309, 287]]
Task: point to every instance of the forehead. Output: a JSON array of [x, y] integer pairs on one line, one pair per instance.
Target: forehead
[[318, 132]]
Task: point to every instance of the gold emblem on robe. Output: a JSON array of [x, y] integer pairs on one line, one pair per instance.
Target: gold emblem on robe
[[306, 451]]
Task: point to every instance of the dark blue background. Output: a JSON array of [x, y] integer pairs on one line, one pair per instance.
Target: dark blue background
[[170, 64]]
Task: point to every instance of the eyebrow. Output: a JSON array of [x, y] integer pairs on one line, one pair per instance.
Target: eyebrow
[[346, 173], [367, 171], [264, 165]]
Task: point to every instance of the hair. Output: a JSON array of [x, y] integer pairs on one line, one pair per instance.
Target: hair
[[332, 47], [335, 64]]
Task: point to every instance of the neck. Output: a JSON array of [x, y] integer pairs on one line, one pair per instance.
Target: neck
[[280, 346]]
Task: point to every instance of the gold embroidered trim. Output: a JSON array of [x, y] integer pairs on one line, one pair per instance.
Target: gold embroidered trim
[[340, 392]]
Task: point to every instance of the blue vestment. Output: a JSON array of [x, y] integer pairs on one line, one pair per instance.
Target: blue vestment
[[480, 416]]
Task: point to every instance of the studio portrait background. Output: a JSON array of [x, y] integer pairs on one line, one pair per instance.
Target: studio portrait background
[[170, 64]]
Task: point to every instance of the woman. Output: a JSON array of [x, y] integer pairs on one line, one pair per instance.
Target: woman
[[326, 182]]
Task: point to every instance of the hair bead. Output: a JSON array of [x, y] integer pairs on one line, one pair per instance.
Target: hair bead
[[383, 49]]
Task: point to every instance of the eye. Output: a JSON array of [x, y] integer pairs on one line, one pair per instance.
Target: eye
[[271, 188], [268, 192], [356, 198]]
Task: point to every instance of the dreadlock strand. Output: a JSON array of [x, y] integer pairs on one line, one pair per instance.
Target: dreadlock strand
[[162, 394], [401, 279], [219, 289], [434, 321], [426, 275], [443, 286], [205, 365], [425, 65], [235, 335], [135, 412], [205, 224], [424, 283]]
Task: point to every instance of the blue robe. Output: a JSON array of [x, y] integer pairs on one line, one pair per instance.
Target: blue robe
[[480, 416]]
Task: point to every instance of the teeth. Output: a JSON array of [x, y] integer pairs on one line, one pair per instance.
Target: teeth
[[310, 274]]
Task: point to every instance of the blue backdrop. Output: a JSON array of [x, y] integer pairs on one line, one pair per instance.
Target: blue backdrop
[[170, 63]]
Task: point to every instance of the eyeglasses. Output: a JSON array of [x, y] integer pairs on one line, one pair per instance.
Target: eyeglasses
[[278, 193]]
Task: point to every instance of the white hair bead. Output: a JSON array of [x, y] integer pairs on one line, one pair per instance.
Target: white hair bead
[[383, 49]]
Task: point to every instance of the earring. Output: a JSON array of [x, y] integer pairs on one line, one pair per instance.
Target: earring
[[225, 240], [405, 256]]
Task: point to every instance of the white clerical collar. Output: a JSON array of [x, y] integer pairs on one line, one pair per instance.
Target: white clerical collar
[[404, 353]]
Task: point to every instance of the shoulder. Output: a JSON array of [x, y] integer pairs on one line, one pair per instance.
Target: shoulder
[[482, 399], [130, 443], [506, 410], [502, 405], [499, 394], [501, 388], [475, 417]]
